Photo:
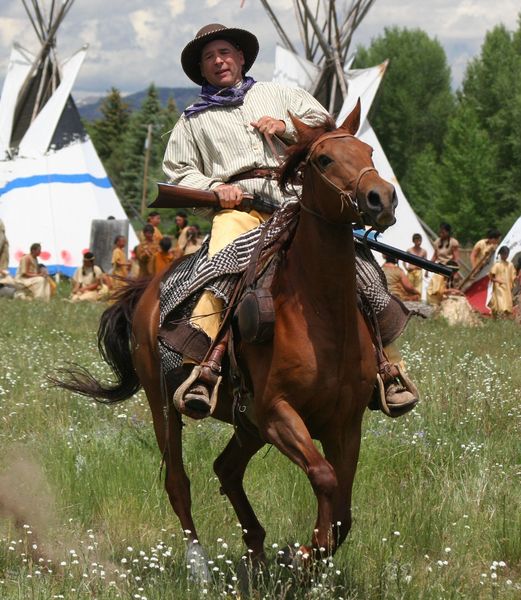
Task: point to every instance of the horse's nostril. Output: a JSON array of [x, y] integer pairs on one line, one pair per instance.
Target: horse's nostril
[[395, 199], [374, 200]]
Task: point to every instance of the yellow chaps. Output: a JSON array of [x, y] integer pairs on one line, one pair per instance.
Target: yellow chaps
[[227, 226]]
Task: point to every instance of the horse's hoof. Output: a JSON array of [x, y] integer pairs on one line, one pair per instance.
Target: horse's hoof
[[197, 561], [249, 571]]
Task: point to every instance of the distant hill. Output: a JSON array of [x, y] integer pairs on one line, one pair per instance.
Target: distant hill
[[182, 96]]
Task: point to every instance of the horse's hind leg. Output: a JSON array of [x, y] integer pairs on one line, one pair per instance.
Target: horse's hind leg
[[229, 468], [284, 428], [177, 484]]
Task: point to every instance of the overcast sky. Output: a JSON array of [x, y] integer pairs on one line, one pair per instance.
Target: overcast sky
[[134, 42]]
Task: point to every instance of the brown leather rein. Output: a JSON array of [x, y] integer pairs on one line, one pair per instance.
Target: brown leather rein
[[347, 198]]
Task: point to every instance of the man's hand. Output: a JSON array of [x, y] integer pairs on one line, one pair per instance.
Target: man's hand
[[269, 126], [229, 195]]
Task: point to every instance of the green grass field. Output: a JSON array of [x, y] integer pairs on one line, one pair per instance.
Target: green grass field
[[437, 498]]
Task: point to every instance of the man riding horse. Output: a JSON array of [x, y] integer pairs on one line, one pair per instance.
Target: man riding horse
[[225, 142]]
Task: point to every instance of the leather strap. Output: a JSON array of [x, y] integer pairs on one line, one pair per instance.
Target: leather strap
[[270, 173], [266, 173]]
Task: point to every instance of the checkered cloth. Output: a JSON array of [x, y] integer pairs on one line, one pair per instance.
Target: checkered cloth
[[181, 290]]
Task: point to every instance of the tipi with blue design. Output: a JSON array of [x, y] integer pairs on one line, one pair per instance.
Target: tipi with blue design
[[52, 182]]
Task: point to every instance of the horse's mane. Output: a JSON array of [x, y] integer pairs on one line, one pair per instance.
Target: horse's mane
[[298, 152]]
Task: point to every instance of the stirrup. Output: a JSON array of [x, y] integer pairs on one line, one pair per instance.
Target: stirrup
[[399, 397], [179, 397]]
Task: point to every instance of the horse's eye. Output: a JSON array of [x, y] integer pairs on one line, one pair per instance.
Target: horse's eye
[[324, 160]]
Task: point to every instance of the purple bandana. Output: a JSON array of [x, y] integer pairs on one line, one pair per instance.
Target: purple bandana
[[214, 96]]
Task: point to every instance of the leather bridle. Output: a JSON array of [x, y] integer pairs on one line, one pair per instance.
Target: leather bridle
[[348, 199]]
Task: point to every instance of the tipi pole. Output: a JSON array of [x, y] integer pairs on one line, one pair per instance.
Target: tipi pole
[[148, 145], [278, 26]]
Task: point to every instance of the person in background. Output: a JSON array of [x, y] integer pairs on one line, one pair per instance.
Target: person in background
[[484, 248], [31, 281], [502, 275], [88, 282], [398, 282], [181, 222], [145, 252], [193, 240], [446, 250], [44, 272], [164, 256], [120, 264], [516, 295], [154, 219], [4, 250], [134, 263], [415, 273], [7, 283]]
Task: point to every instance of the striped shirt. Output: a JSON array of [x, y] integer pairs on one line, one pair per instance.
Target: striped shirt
[[208, 148]]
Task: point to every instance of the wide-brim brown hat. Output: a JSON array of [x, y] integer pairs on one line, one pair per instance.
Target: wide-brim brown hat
[[191, 55]]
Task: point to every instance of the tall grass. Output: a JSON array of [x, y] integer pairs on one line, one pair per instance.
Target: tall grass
[[437, 498]]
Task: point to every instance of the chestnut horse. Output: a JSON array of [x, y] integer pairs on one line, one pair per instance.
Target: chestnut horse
[[313, 380]]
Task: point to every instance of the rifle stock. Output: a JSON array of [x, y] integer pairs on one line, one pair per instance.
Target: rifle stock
[[179, 196]]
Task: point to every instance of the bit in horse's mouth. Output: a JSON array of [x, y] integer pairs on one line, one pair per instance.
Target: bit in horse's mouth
[[384, 223]]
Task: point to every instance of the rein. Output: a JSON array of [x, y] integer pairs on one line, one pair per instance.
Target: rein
[[347, 199]]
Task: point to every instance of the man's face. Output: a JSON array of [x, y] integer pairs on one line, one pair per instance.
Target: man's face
[[149, 236], [121, 242], [155, 220], [221, 63], [180, 222]]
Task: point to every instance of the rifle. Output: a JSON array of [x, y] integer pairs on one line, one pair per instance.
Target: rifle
[[178, 196], [412, 259]]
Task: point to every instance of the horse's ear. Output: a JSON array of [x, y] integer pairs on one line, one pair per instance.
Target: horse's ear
[[300, 126], [352, 122]]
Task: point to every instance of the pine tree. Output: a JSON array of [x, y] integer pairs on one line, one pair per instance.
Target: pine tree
[[150, 113], [108, 131], [492, 85], [466, 189], [423, 182]]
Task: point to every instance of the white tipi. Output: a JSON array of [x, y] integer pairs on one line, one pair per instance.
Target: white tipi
[[52, 182]]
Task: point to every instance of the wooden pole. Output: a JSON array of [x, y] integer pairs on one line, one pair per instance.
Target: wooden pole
[[278, 26], [148, 145]]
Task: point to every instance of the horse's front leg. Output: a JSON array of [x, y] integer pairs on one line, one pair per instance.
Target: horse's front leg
[[284, 428], [229, 468], [342, 453]]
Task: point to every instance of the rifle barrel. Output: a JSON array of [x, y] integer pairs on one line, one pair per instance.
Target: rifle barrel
[[412, 259]]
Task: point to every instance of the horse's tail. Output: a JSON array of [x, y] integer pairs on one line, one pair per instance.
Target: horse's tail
[[114, 336]]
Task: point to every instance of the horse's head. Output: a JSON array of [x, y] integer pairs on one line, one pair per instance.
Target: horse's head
[[340, 176]]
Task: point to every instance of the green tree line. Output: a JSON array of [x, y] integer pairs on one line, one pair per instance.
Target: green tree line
[[456, 154]]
